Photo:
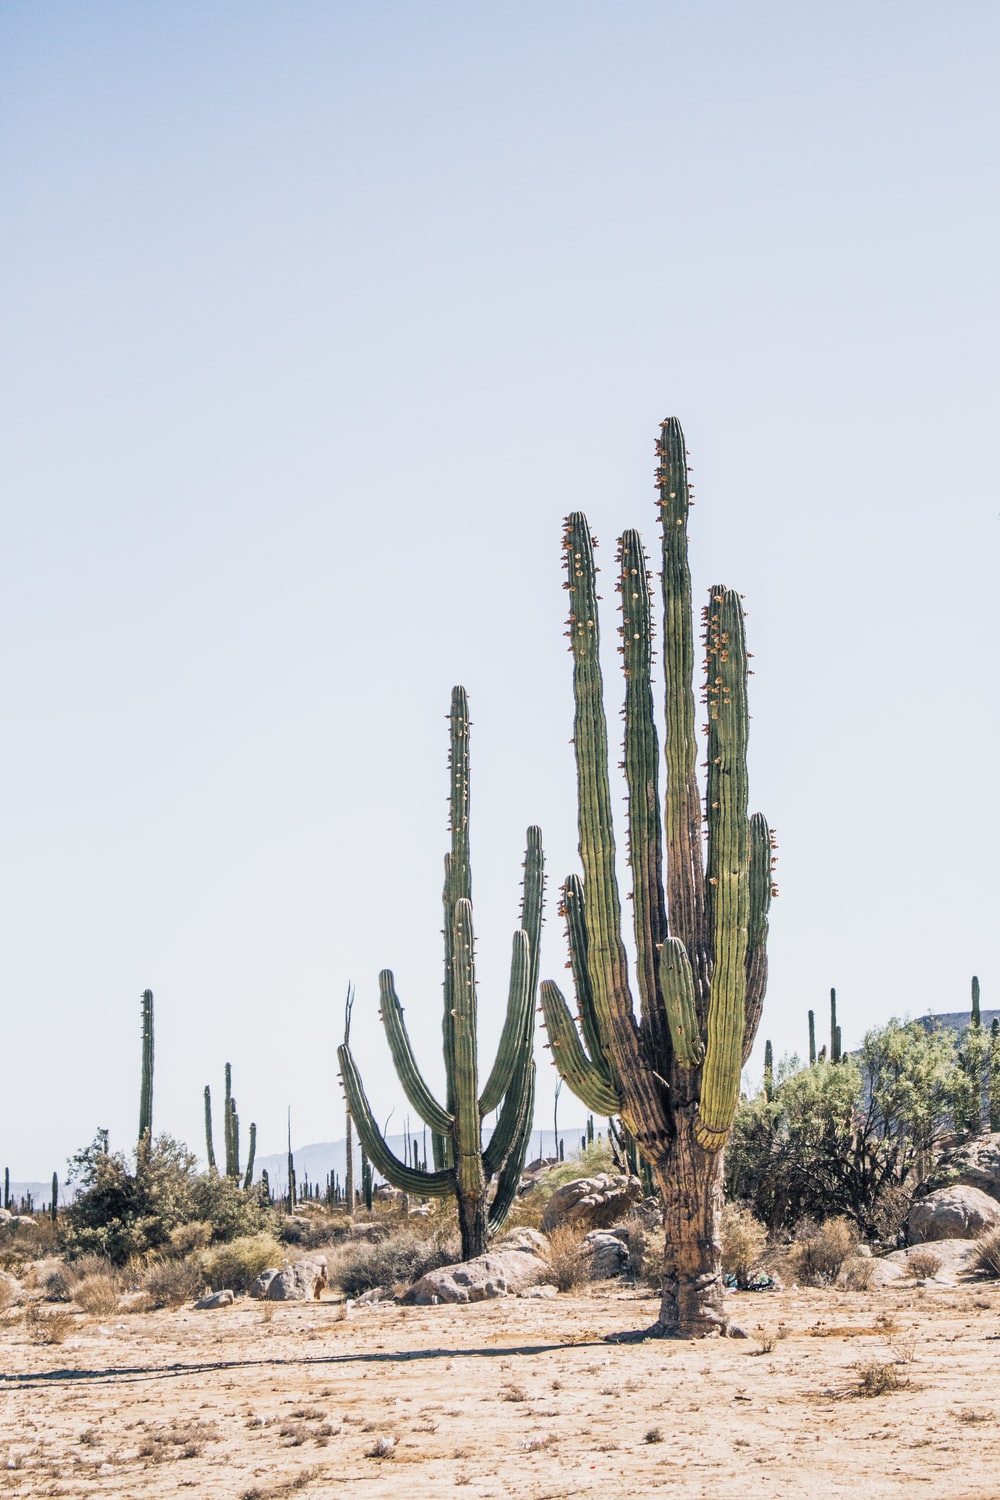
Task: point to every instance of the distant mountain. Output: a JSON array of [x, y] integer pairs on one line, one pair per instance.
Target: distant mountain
[[316, 1161]]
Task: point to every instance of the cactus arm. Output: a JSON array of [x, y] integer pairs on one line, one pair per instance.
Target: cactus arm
[[408, 1179], [410, 1077], [587, 1081], [510, 1123], [677, 985], [516, 1026], [642, 771], [251, 1153], [760, 902], [682, 803], [574, 909], [728, 865], [509, 1178], [467, 1137]]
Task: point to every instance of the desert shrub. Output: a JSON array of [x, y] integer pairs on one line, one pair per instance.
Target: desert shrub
[[230, 1212], [239, 1262], [744, 1241], [169, 1283], [988, 1252], [127, 1206], [820, 1254], [401, 1258], [186, 1238], [923, 1261], [858, 1274], [47, 1327], [97, 1295], [875, 1379], [569, 1264], [27, 1239]]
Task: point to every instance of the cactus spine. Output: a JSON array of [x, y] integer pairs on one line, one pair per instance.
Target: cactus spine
[[462, 1165], [672, 1071], [146, 1092]]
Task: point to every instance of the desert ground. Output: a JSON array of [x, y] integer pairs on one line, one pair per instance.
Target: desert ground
[[518, 1397]]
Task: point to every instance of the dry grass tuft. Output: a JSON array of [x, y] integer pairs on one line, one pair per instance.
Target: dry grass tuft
[[97, 1295], [282, 1488], [567, 1258], [923, 1262], [988, 1252], [654, 1435], [171, 1283], [820, 1255], [383, 1447], [744, 1242], [47, 1328], [876, 1379], [858, 1274], [182, 1439]]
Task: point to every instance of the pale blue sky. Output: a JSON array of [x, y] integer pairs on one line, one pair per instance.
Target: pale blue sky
[[317, 319]]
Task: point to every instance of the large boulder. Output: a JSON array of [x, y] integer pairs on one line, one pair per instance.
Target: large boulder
[[505, 1270], [213, 1300], [976, 1163], [955, 1257], [301, 1282], [952, 1213], [592, 1202], [607, 1255]]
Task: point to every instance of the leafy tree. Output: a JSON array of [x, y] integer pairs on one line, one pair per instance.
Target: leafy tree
[[850, 1138], [128, 1206]]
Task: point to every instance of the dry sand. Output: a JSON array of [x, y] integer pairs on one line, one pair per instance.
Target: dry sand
[[514, 1397]]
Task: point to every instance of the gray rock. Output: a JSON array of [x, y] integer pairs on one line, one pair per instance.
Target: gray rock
[[216, 1299], [957, 1212], [301, 1282], [479, 1280], [543, 1292], [260, 1286], [975, 1163], [957, 1257], [607, 1254], [593, 1202]]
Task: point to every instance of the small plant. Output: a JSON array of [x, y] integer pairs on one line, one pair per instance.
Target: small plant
[[858, 1274], [184, 1439], [97, 1295], [988, 1252], [654, 1435], [744, 1241], [513, 1393], [875, 1379], [567, 1258], [767, 1341], [971, 1415], [400, 1258], [923, 1261], [383, 1447], [47, 1328], [821, 1254], [171, 1283], [903, 1349], [240, 1262]]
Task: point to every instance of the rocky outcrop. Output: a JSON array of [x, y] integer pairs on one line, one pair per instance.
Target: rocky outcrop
[[606, 1254], [592, 1202], [958, 1212], [216, 1299], [301, 1282], [504, 1271], [975, 1163], [955, 1258]]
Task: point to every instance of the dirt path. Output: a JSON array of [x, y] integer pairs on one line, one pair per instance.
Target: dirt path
[[515, 1397]]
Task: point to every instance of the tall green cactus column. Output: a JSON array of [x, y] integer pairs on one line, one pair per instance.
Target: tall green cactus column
[[146, 1090], [464, 1167], [670, 1064]]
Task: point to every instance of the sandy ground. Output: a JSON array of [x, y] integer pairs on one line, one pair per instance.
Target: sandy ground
[[513, 1397]]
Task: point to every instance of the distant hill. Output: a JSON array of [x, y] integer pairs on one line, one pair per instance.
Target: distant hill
[[958, 1020]]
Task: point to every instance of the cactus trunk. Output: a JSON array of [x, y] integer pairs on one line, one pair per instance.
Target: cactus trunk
[[146, 1093]]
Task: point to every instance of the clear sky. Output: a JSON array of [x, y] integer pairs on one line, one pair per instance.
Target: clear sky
[[317, 319]]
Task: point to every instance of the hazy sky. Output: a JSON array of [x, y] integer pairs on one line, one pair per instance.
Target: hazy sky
[[317, 319]]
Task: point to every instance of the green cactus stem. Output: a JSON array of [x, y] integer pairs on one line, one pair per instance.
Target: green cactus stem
[[976, 1017], [54, 1204], [768, 1072], [835, 1033], [665, 1051], [812, 1038], [146, 1092], [251, 1153], [209, 1146], [463, 1167]]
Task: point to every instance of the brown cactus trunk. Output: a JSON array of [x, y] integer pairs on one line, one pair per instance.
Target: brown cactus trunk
[[472, 1223], [690, 1181]]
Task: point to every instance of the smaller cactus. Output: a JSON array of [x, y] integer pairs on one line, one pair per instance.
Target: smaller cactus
[[835, 1033], [146, 1093], [208, 1130], [768, 1072], [252, 1152], [54, 1205], [812, 1038]]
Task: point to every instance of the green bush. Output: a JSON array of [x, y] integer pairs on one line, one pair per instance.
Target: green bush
[[127, 1207], [232, 1213], [239, 1262]]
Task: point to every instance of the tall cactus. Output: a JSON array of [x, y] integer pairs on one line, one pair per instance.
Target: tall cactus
[[146, 1091], [463, 1166], [209, 1143], [672, 1070]]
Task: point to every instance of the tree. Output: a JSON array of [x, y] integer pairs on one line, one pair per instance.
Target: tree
[[124, 1207], [671, 1065], [850, 1138]]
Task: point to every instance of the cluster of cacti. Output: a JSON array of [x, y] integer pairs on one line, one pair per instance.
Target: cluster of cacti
[[671, 1066], [463, 1165], [231, 1135], [146, 1089]]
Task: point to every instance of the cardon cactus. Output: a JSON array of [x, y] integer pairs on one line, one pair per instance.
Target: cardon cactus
[[146, 1090], [671, 1065], [463, 1165]]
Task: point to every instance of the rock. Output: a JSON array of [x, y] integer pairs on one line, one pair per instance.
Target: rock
[[373, 1296], [216, 1299], [260, 1286], [479, 1280], [975, 1163], [544, 1291], [957, 1258], [957, 1212], [300, 1282], [528, 1240], [594, 1202], [11, 1293], [607, 1253]]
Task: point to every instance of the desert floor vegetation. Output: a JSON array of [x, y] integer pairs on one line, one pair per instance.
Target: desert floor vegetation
[[514, 1397]]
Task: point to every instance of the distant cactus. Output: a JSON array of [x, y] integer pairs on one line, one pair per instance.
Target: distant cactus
[[835, 1033], [208, 1130], [54, 1205], [251, 1153], [146, 1092], [812, 1038], [768, 1072], [463, 1166]]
